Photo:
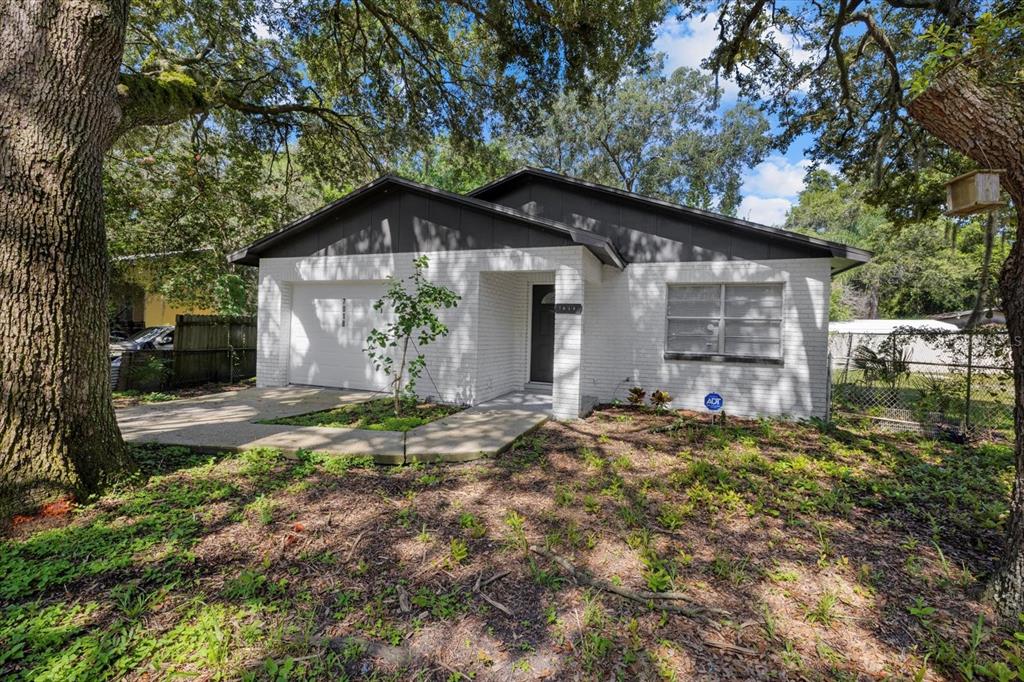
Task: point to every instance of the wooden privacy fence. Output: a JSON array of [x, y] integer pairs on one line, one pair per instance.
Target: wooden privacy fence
[[214, 348], [207, 348]]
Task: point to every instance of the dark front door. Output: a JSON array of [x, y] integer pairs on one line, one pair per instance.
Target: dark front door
[[542, 334]]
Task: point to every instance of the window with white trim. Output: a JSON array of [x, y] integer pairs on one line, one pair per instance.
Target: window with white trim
[[741, 321]]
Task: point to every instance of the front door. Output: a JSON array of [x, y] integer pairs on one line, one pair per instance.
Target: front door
[[542, 333]]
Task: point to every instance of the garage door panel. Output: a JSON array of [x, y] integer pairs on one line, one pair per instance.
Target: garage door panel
[[329, 326]]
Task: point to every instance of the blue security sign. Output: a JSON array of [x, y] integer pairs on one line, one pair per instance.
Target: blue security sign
[[713, 402]]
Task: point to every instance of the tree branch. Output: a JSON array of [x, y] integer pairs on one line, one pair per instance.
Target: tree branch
[[949, 9], [155, 101], [172, 96], [879, 38]]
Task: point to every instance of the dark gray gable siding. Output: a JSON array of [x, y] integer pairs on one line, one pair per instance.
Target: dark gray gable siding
[[402, 220], [640, 233]]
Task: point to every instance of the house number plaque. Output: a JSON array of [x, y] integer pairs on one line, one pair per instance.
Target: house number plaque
[[569, 308]]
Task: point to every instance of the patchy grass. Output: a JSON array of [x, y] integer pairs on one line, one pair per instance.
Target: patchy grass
[[820, 554], [375, 415], [132, 397]]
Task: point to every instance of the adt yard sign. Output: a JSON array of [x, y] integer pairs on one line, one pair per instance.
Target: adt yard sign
[[713, 402]]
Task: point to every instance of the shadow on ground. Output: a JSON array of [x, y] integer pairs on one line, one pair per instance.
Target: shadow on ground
[[796, 553]]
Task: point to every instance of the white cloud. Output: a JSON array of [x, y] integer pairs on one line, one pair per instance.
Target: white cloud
[[771, 187], [767, 211], [686, 43], [776, 176], [262, 30]]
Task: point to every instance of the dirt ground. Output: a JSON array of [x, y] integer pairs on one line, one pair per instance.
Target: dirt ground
[[789, 551]]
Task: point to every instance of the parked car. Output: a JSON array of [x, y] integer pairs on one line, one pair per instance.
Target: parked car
[[151, 338]]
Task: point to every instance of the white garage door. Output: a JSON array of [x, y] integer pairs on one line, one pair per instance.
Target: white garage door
[[329, 327]]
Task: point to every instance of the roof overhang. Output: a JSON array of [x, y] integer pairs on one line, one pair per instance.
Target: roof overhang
[[843, 257], [599, 245]]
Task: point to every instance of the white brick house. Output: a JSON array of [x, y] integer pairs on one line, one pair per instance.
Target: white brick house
[[586, 288]]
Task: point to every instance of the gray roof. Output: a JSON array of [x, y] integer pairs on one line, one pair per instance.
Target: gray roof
[[600, 245], [847, 256], [843, 257]]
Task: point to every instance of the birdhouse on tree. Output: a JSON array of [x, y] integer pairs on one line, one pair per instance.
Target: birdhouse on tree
[[974, 192]]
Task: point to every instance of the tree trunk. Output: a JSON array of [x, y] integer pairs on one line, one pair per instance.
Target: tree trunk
[[985, 121], [398, 378], [986, 272], [58, 112]]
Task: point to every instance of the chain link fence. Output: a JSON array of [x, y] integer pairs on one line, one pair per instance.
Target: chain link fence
[[958, 382]]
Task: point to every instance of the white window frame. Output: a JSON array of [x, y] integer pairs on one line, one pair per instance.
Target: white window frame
[[720, 320]]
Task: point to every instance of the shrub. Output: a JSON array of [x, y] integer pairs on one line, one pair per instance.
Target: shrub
[[941, 397], [890, 364], [660, 399], [149, 374], [636, 396]]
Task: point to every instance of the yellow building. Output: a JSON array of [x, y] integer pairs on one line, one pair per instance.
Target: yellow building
[[133, 307], [157, 311]]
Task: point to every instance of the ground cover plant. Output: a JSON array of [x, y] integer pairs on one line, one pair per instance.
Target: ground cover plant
[[131, 397], [634, 544], [375, 415]]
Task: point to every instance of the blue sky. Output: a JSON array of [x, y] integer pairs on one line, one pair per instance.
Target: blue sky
[[771, 187]]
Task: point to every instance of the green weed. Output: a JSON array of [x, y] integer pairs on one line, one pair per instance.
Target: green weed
[[824, 612], [458, 551]]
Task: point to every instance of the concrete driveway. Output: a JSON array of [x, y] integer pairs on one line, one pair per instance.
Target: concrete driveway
[[227, 422]]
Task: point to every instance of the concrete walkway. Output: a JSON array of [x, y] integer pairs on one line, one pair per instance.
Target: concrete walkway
[[486, 429], [226, 422]]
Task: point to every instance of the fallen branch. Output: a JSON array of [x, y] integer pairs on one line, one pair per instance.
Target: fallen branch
[[403, 598], [352, 549], [496, 604], [642, 596], [497, 576], [667, 532], [729, 647], [424, 568]]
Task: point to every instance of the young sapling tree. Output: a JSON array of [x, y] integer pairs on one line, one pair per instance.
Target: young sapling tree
[[414, 303]]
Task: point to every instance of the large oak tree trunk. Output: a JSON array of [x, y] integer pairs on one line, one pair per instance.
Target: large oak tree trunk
[[59, 61], [985, 121]]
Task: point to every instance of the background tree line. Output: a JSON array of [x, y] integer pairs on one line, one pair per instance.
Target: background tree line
[[199, 192], [922, 265]]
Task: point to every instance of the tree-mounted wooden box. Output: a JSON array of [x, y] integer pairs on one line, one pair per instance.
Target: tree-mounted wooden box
[[973, 192]]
